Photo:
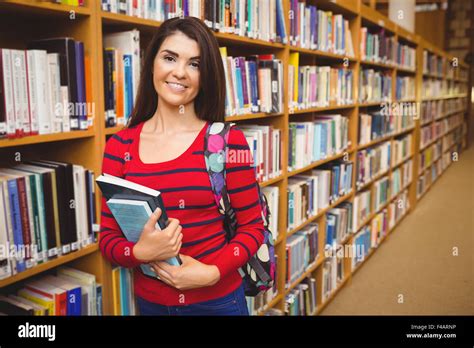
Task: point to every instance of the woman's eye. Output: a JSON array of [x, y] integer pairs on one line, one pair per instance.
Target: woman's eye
[[196, 65], [169, 58]]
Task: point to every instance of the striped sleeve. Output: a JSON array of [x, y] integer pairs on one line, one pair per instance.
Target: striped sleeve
[[243, 193], [113, 245]]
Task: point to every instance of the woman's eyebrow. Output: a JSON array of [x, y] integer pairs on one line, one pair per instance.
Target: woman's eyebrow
[[177, 55]]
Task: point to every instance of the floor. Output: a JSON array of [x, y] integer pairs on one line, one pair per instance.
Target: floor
[[426, 266]]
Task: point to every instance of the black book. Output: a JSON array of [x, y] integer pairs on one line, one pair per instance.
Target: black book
[[66, 47], [131, 205]]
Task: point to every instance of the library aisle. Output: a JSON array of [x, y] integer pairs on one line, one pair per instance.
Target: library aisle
[[417, 260]]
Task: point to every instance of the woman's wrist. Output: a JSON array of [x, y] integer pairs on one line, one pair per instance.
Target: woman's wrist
[[136, 251], [215, 275]]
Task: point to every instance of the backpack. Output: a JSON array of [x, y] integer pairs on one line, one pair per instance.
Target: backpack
[[259, 273]]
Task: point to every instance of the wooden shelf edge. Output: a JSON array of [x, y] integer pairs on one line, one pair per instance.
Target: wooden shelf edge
[[46, 138], [50, 264]]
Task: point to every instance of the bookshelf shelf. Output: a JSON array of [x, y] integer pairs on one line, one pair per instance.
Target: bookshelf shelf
[[251, 116], [319, 214], [46, 138], [112, 130], [322, 54], [405, 71], [371, 181], [270, 304], [38, 7], [272, 181], [371, 104], [311, 268], [403, 161], [142, 24], [377, 64], [322, 109], [50, 264], [374, 142], [319, 163]]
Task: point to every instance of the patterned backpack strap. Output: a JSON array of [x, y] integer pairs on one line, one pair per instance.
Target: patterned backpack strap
[[215, 153]]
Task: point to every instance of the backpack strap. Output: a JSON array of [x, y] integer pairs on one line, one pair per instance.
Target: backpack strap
[[215, 154]]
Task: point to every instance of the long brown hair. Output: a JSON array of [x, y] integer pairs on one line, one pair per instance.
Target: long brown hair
[[209, 103]]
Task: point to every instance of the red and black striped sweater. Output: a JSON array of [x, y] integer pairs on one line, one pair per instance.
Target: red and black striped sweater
[[187, 196]]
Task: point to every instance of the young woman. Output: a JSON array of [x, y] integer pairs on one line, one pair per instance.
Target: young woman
[[182, 92]]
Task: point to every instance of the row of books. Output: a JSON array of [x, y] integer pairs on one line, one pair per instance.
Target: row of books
[[333, 275], [381, 124], [374, 86], [338, 224], [405, 88], [45, 89], [398, 208], [123, 296], [301, 251], [264, 20], [433, 88], [272, 194], [323, 137], [253, 83], [372, 162], [381, 192], [121, 75], [362, 208], [376, 45], [401, 177], [318, 86], [302, 299], [265, 150], [406, 57], [308, 194], [429, 155], [362, 245], [316, 29], [433, 64], [70, 292], [451, 138], [374, 126], [429, 133], [47, 209], [379, 227], [430, 175], [401, 149]]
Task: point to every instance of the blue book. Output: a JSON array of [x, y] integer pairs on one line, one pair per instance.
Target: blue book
[[317, 142], [254, 84], [131, 205], [124, 290], [238, 77], [100, 310], [128, 85], [16, 221], [330, 228], [324, 139]]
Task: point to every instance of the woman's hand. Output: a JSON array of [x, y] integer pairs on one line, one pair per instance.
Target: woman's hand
[[158, 245], [190, 275]]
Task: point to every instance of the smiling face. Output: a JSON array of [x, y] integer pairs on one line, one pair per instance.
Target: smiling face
[[176, 70]]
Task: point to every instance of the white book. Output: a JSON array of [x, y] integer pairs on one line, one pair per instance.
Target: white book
[[79, 200], [38, 60], [9, 126], [20, 91], [9, 223], [5, 266], [55, 92]]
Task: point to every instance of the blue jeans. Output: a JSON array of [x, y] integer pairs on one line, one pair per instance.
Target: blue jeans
[[231, 304]]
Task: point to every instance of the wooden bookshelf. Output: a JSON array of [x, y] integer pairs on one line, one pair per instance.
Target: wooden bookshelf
[[90, 24]]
